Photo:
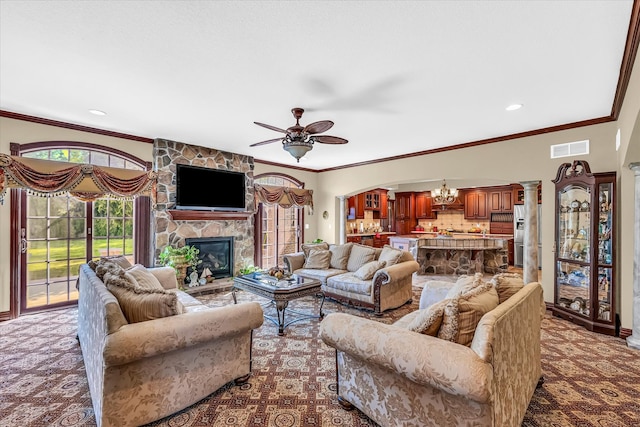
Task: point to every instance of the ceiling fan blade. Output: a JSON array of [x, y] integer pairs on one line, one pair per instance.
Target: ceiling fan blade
[[326, 139], [268, 141], [318, 127], [270, 127]]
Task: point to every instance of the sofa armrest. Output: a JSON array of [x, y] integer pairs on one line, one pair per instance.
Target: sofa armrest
[[165, 275], [147, 339], [294, 261], [395, 272], [410, 354]]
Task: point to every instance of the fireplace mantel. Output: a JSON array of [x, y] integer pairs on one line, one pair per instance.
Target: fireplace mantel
[[189, 215]]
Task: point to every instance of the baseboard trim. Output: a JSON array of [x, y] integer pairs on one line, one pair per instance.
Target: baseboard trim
[[624, 333], [6, 315]]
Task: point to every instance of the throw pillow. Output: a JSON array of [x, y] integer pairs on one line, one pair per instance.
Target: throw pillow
[[507, 284], [465, 284], [307, 247], [143, 277], [390, 255], [118, 259], [428, 320], [367, 271], [104, 267], [340, 255], [462, 314], [318, 259], [138, 304], [359, 256]]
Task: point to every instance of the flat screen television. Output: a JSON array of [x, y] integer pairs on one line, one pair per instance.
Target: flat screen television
[[200, 188]]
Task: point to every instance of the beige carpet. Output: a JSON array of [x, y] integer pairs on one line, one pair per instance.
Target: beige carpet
[[591, 379]]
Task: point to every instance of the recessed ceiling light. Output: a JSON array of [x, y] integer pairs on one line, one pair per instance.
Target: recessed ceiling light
[[98, 112], [514, 107]]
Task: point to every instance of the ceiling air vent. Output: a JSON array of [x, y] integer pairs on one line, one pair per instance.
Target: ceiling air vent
[[577, 148]]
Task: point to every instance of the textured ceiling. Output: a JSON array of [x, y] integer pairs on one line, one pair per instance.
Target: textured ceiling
[[395, 77]]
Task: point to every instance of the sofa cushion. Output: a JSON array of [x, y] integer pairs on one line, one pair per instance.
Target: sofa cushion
[[428, 320], [360, 255], [390, 255], [367, 271], [462, 314], [143, 277], [340, 255], [321, 275], [309, 246], [507, 284], [464, 284], [139, 304], [348, 282], [318, 259]]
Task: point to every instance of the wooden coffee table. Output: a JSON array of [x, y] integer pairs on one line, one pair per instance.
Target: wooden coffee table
[[280, 292]]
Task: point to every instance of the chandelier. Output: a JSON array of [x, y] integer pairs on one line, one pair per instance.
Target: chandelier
[[444, 195]]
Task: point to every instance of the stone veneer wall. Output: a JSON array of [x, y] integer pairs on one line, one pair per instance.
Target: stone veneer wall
[[166, 154]]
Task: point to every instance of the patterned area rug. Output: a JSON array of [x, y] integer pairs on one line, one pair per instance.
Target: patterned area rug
[[591, 379]]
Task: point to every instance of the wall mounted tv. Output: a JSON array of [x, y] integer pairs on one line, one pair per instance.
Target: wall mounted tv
[[209, 189]]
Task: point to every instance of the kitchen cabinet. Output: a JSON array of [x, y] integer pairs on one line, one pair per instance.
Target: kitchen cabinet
[[504, 228], [380, 240], [384, 211], [500, 200], [424, 206], [518, 194], [475, 204], [356, 206], [585, 264], [405, 212], [372, 200]]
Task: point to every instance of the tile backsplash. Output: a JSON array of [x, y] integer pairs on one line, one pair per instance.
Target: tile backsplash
[[454, 220]]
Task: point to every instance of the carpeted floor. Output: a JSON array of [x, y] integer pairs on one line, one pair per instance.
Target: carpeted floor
[[591, 379]]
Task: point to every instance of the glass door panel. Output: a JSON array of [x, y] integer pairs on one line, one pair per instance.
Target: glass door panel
[[573, 287]]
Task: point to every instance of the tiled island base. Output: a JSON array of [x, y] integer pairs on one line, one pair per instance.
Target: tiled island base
[[462, 256]]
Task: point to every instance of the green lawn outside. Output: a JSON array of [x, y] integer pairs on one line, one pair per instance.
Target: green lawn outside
[[58, 255]]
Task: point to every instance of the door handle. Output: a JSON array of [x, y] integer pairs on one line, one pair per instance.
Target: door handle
[[23, 245]]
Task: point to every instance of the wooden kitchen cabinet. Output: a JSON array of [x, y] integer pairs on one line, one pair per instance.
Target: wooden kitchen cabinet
[[372, 200], [501, 200], [384, 212], [475, 204], [424, 206], [405, 212], [356, 206]]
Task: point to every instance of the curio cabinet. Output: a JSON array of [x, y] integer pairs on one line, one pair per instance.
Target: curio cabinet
[[585, 291]]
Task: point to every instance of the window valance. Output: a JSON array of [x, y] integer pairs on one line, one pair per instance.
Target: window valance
[[285, 197], [87, 182]]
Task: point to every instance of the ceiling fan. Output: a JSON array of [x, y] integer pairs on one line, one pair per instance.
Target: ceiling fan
[[300, 139]]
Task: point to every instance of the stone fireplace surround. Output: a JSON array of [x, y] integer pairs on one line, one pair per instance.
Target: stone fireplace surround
[[168, 230]]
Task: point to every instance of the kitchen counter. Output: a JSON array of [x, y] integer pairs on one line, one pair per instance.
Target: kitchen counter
[[463, 253], [371, 233], [431, 234]]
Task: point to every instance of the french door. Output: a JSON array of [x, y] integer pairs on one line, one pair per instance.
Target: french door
[[280, 234]]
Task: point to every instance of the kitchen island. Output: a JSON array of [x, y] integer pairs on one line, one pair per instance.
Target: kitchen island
[[375, 239], [463, 253]]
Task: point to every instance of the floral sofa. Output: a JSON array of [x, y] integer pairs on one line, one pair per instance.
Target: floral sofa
[[414, 373], [378, 279], [142, 370]]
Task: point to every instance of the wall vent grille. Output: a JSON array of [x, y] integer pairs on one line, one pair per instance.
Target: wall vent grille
[[577, 148]]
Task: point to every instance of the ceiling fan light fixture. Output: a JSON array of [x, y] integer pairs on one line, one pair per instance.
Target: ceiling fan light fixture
[[297, 148]]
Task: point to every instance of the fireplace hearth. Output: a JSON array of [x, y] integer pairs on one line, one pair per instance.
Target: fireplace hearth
[[216, 254]]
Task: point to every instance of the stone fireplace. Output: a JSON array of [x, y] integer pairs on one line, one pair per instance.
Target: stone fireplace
[[173, 229], [216, 254]]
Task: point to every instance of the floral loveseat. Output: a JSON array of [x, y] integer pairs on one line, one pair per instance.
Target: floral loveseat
[[378, 279], [143, 371], [428, 370]]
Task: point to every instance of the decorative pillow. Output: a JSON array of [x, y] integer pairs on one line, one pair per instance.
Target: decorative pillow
[[390, 255], [462, 314], [359, 256], [138, 304], [367, 271], [464, 284], [143, 277], [340, 255], [307, 247], [118, 259], [507, 284], [104, 267], [428, 321], [318, 258]]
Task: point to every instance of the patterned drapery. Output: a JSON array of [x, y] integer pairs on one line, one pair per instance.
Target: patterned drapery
[[285, 197], [87, 182]]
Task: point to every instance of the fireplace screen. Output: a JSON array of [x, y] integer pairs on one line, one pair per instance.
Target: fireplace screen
[[216, 254]]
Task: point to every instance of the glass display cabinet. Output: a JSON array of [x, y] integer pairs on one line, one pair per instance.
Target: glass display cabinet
[[584, 248]]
